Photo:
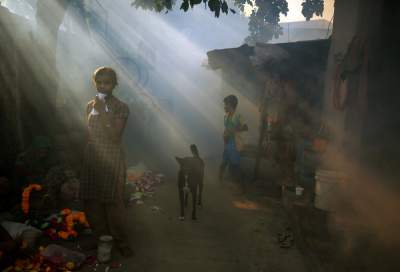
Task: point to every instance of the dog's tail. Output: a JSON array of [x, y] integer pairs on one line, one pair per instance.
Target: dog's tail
[[194, 150]]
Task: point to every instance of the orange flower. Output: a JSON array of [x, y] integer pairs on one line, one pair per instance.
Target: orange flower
[[66, 211], [70, 220], [63, 235], [26, 194]]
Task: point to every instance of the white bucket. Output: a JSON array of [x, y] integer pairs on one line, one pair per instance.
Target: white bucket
[[299, 191], [327, 189], [104, 248]]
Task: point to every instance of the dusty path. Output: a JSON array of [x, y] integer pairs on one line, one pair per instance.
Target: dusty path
[[224, 238]]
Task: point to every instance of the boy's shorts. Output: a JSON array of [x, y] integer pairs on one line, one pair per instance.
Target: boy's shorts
[[231, 155]]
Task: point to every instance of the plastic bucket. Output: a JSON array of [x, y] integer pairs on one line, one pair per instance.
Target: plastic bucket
[[104, 248], [327, 189]]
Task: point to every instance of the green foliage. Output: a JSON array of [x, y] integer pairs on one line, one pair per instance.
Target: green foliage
[[241, 4], [154, 5], [215, 6], [311, 7], [263, 21]]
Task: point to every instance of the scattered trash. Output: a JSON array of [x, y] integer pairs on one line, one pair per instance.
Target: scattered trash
[[136, 172], [246, 205], [16, 230], [61, 255], [136, 196], [51, 258], [155, 209], [299, 190], [116, 265], [141, 183], [91, 260], [286, 238]]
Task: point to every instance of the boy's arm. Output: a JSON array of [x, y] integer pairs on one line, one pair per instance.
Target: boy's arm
[[242, 125], [239, 128]]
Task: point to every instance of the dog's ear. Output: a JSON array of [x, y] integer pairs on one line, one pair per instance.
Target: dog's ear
[[194, 150], [179, 160]]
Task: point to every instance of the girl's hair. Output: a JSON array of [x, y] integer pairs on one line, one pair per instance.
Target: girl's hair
[[105, 71]]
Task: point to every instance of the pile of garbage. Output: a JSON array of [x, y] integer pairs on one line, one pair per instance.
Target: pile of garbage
[[31, 198], [63, 224], [19, 234], [59, 225], [49, 259], [21, 253], [141, 183]]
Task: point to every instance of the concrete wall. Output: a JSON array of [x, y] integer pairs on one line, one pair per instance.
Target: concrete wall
[[15, 35], [304, 30], [344, 28]]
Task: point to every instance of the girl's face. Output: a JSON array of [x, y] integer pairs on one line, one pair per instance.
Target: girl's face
[[104, 84], [228, 108]]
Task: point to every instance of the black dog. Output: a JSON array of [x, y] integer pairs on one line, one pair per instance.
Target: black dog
[[190, 175]]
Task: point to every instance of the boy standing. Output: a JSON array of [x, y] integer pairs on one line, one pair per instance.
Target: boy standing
[[234, 125]]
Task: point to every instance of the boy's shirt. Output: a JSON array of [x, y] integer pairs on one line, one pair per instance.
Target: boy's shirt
[[232, 122]]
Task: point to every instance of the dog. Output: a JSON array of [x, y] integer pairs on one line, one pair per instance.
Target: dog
[[190, 179]]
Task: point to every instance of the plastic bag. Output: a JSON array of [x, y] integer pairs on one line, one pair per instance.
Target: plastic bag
[[17, 229], [61, 255]]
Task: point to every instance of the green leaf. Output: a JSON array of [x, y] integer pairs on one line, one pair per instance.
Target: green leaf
[[212, 4], [217, 12], [311, 8], [185, 5], [224, 7], [195, 2], [45, 225]]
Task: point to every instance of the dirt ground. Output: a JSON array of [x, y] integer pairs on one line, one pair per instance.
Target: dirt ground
[[232, 233]]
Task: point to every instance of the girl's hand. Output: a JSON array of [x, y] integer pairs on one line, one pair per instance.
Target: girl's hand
[[99, 105]]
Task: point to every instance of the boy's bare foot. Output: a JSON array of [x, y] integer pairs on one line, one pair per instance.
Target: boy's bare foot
[[126, 251]]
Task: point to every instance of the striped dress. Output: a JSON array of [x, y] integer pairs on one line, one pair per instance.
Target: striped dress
[[104, 168]]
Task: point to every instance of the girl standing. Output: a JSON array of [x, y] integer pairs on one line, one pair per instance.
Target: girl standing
[[104, 169]]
